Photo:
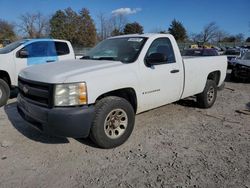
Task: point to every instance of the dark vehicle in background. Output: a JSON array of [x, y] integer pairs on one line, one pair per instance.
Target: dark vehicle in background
[[241, 69], [200, 52], [232, 55]]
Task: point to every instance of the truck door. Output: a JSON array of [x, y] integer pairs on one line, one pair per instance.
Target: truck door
[[163, 81], [35, 53]]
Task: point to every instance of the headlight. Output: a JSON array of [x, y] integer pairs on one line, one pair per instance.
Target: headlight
[[70, 94]]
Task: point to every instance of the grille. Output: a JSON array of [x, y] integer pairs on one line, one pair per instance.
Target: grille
[[36, 92]]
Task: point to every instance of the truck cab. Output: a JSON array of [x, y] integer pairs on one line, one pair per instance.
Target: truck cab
[[28, 52]]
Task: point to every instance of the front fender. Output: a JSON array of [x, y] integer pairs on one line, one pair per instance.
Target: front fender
[[106, 83]]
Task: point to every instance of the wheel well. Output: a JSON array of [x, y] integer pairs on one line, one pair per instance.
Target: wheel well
[[5, 76], [126, 93], [215, 76]]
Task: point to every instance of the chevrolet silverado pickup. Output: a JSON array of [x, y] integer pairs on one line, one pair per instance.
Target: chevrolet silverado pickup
[[99, 95], [20, 54]]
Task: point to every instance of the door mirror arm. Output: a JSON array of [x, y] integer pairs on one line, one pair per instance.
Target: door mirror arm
[[22, 54], [155, 59]]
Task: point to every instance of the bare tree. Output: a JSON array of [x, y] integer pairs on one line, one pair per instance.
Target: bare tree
[[118, 22], [209, 32], [33, 25], [220, 35], [111, 26], [194, 37], [105, 28], [239, 37]]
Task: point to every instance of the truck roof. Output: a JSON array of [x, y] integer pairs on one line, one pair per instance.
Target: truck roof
[[44, 39], [147, 35]]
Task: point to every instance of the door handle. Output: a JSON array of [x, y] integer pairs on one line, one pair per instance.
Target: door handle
[[174, 71], [49, 61]]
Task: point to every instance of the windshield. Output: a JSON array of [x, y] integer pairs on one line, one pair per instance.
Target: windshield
[[12, 46], [246, 56], [125, 49]]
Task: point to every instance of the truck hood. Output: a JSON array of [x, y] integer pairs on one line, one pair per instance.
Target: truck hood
[[60, 71], [243, 62], [3, 58]]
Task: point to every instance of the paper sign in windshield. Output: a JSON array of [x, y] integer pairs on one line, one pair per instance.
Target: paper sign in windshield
[[135, 39]]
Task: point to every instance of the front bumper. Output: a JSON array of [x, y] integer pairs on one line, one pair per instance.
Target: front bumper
[[65, 122]]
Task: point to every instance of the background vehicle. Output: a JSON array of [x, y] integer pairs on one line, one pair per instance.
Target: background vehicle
[[4, 43], [18, 55], [232, 54], [200, 52], [122, 76], [241, 69]]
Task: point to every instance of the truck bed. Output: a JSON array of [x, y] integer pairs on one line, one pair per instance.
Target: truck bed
[[196, 68]]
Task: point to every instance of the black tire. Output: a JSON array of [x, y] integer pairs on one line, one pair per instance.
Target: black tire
[[4, 92], [207, 98], [112, 111], [232, 76]]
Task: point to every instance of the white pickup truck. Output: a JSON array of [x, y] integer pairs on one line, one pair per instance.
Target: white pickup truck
[[27, 52], [99, 95]]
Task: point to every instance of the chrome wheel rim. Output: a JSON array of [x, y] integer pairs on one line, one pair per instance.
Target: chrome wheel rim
[[116, 123], [210, 95]]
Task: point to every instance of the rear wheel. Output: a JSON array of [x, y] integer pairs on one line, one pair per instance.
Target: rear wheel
[[4, 92], [113, 122], [207, 98]]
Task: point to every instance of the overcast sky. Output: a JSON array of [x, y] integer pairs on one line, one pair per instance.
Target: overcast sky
[[231, 16]]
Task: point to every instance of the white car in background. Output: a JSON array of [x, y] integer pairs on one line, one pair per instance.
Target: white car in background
[[21, 54]]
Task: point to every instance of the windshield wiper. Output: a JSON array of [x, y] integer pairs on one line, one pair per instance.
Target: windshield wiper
[[105, 58]]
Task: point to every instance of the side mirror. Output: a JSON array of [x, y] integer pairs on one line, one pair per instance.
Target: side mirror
[[156, 59], [22, 53]]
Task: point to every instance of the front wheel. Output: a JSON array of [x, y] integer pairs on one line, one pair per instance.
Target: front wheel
[[113, 122], [207, 98], [4, 92]]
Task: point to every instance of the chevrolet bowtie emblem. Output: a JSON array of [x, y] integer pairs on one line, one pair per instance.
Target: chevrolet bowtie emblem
[[25, 89]]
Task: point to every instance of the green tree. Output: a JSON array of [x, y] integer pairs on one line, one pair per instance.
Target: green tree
[[79, 29], [6, 31], [248, 39], [229, 39], [178, 30], [87, 31], [133, 28], [62, 25], [116, 32]]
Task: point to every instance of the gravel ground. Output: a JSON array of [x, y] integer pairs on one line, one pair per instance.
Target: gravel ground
[[177, 145]]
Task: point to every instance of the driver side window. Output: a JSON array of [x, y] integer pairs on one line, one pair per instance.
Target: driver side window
[[162, 46], [40, 49]]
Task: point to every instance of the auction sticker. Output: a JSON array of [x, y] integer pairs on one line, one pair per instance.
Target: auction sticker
[[135, 39]]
